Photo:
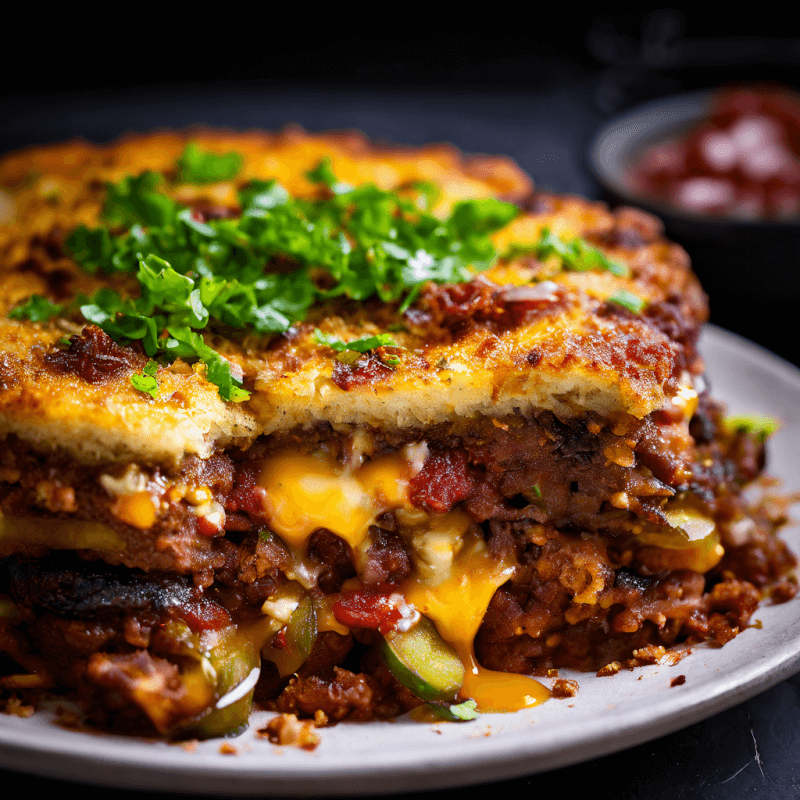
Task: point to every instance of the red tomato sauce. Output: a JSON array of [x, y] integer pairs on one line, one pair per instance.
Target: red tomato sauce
[[742, 161]]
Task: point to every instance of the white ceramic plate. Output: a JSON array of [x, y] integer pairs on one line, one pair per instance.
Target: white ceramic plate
[[609, 714]]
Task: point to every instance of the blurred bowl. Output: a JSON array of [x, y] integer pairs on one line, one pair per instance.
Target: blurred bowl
[[740, 261]]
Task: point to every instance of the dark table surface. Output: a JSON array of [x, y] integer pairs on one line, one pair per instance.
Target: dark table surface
[[749, 751]]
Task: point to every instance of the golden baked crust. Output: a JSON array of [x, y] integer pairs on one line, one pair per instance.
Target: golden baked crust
[[574, 356]]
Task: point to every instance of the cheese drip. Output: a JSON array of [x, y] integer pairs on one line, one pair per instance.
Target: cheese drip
[[455, 576], [457, 604], [307, 492]]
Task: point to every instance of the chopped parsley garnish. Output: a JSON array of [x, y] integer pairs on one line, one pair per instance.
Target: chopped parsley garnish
[[137, 200], [145, 381], [575, 255], [199, 166], [350, 352], [628, 300], [36, 309], [323, 173], [166, 316], [760, 426], [263, 271], [427, 193], [463, 712], [359, 345]]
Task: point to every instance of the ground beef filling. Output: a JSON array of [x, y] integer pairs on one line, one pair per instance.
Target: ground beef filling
[[545, 494], [533, 467]]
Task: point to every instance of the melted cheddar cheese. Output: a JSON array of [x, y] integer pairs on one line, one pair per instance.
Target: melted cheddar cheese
[[304, 493], [457, 602], [455, 576]]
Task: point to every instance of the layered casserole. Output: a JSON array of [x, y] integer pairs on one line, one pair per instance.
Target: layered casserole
[[344, 430]]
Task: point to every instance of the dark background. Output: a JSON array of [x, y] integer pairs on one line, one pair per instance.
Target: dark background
[[534, 87]]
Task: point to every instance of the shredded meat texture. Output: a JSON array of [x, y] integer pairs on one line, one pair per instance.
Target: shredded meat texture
[[465, 306], [334, 557], [346, 695], [490, 468], [569, 608], [93, 356], [387, 559], [139, 683]]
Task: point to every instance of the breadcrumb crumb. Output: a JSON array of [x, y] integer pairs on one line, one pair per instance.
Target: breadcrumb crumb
[[286, 729], [564, 687]]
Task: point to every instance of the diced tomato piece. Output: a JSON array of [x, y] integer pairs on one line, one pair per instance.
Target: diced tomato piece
[[204, 616], [247, 495], [207, 529], [370, 607], [443, 481]]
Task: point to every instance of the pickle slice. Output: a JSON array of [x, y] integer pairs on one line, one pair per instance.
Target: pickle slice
[[301, 633], [235, 661], [423, 662], [232, 665]]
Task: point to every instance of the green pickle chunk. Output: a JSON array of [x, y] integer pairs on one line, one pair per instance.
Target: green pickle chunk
[[301, 633], [423, 662], [234, 660]]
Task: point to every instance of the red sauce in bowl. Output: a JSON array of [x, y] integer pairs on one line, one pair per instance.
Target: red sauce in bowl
[[742, 161]]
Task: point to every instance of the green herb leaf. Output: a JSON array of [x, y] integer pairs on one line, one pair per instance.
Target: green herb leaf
[[171, 304], [535, 490], [259, 196], [196, 165], [137, 200], [628, 300], [427, 194], [146, 381], [463, 712], [323, 173], [485, 215], [760, 426], [576, 255], [36, 308], [359, 345]]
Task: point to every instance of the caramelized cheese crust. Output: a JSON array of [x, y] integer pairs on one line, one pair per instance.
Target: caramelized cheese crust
[[488, 347]]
